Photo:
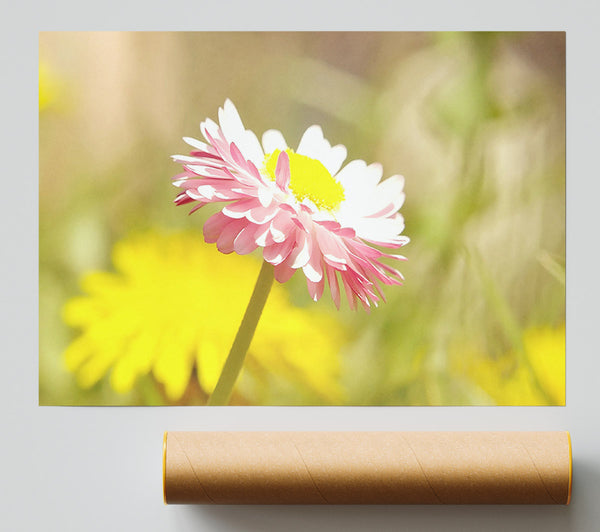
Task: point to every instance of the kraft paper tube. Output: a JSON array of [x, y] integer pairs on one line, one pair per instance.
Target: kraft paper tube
[[367, 467]]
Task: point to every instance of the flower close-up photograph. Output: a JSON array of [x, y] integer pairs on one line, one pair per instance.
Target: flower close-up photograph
[[302, 218]]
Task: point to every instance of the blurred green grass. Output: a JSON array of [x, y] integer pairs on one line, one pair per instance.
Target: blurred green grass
[[474, 121]]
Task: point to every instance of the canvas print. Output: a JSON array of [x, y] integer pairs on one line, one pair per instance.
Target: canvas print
[[302, 218]]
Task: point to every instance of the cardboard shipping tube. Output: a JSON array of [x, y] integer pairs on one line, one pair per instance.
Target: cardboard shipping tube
[[367, 467]]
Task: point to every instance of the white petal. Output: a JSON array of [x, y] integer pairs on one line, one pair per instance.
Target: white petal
[[333, 258], [392, 186], [352, 177], [199, 145], [251, 148], [265, 196], [312, 274], [273, 140], [373, 174], [312, 144], [382, 201], [202, 192], [231, 123], [334, 158], [347, 216], [322, 216], [388, 192], [210, 127], [185, 159], [234, 131], [361, 193], [201, 169], [315, 146], [379, 229]]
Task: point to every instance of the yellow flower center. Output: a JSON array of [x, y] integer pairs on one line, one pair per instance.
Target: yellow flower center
[[309, 179]]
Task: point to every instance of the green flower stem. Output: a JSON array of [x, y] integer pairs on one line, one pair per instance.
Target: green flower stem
[[237, 353]]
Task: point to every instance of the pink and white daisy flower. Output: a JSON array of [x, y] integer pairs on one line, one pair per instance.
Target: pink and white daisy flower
[[301, 207]]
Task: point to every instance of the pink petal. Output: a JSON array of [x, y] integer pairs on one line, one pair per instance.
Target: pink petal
[[330, 225], [313, 269], [182, 199], [354, 286], [396, 242], [315, 289], [346, 232], [213, 227], [331, 246], [283, 272], [262, 235], [260, 215], [300, 255], [287, 207], [282, 171], [241, 208], [202, 169], [229, 234], [334, 286], [281, 226], [277, 253], [205, 155], [251, 168], [182, 175], [244, 242], [194, 209], [236, 154], [349, 293], [189, 183]]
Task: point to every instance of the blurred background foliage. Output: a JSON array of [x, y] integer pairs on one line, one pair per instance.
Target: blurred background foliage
[[474, 121]]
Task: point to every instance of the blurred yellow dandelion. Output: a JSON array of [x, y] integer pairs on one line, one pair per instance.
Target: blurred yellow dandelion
[[49, 86], [545, 348], [173, 305], [508, 382]]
